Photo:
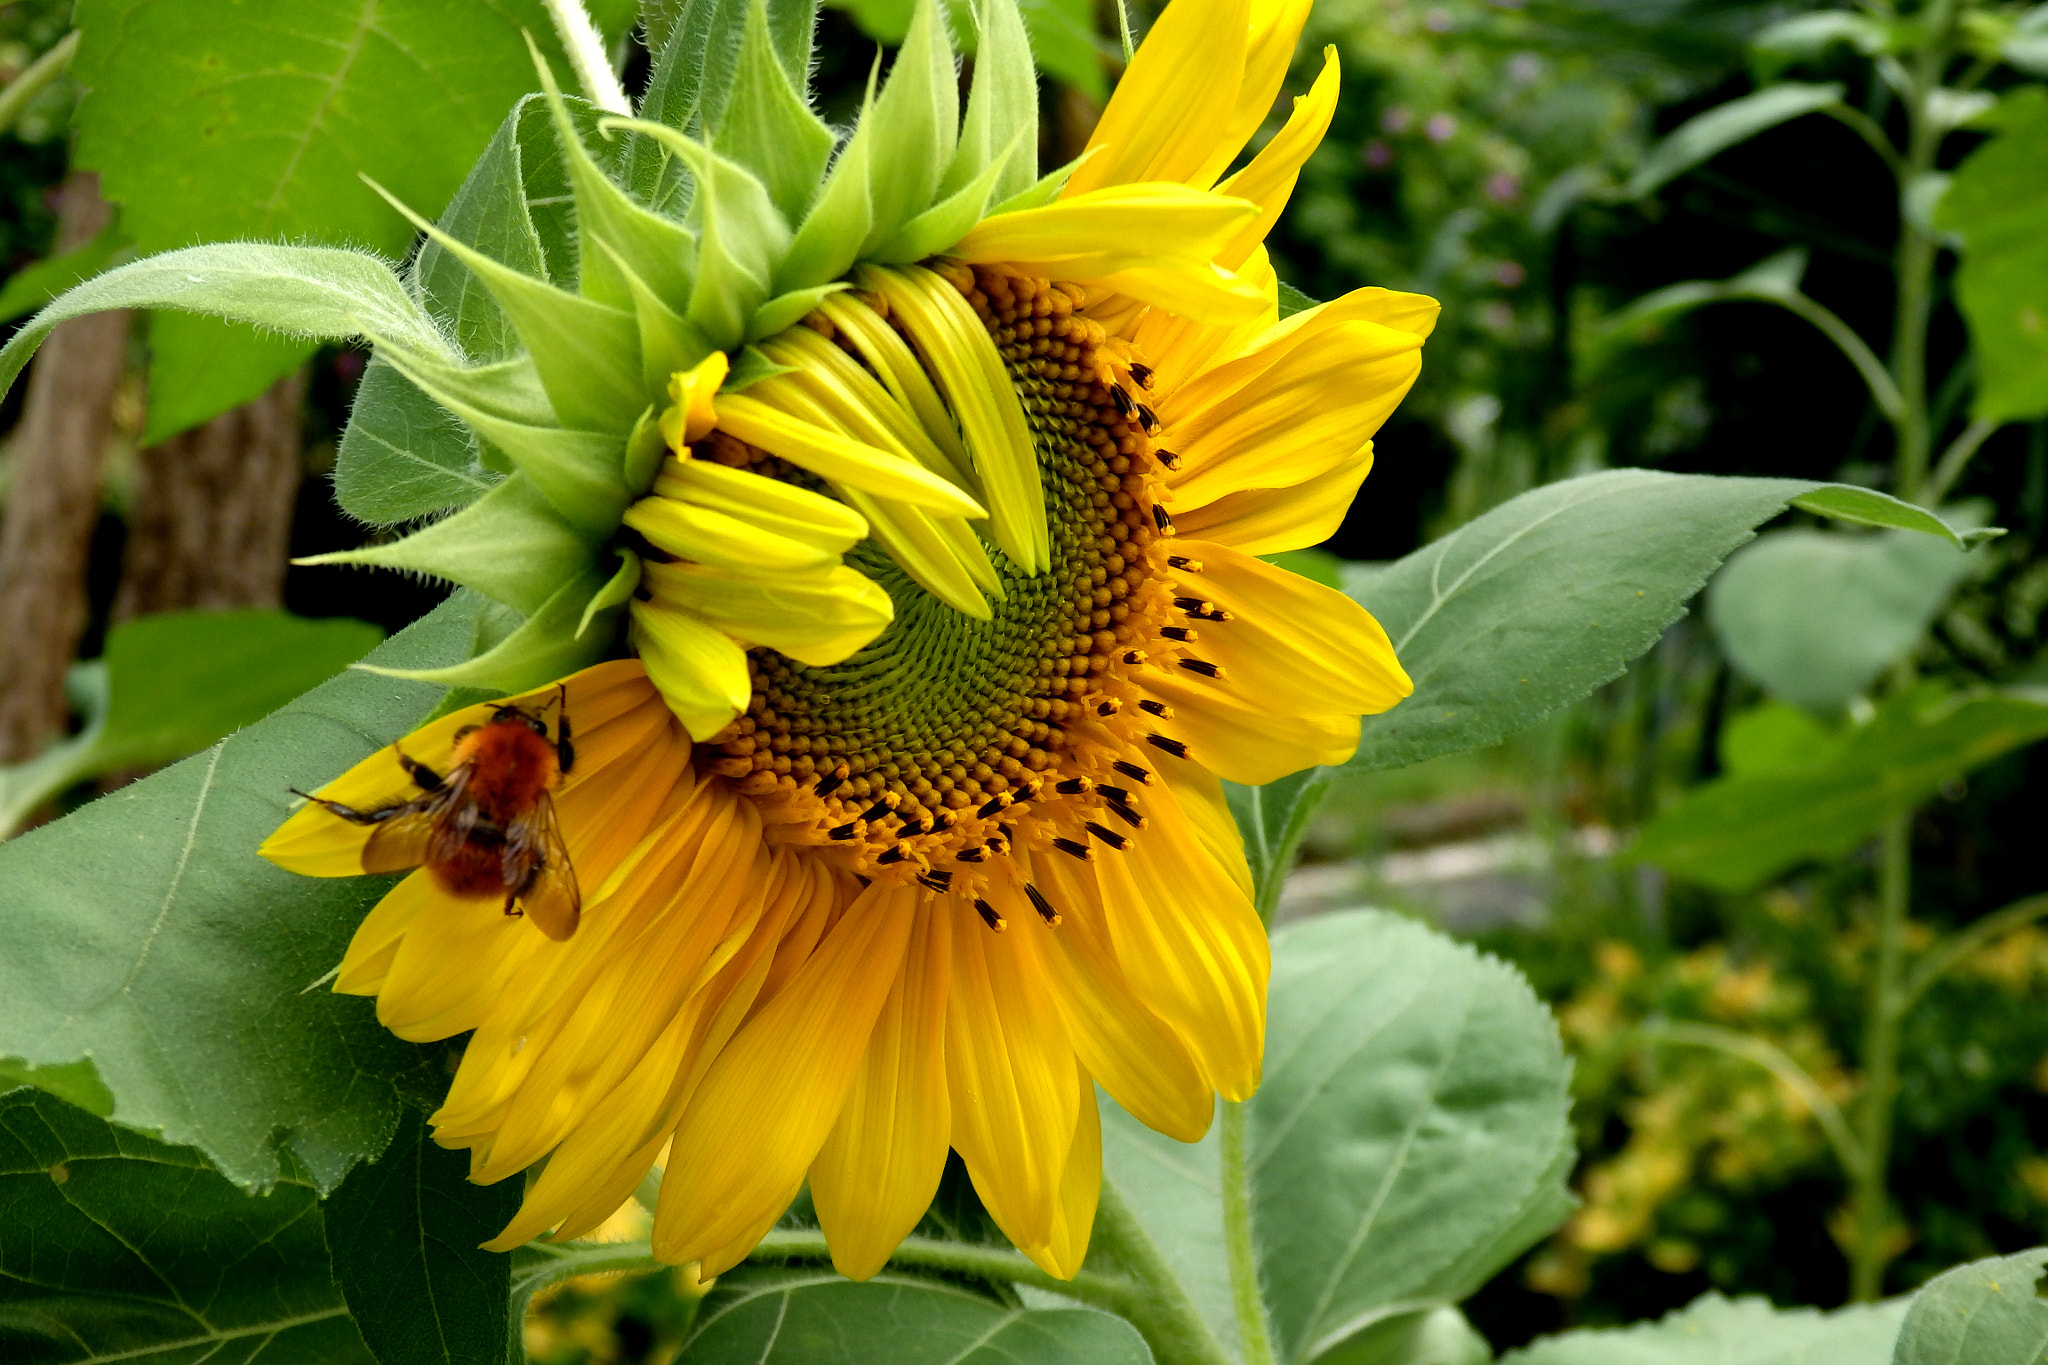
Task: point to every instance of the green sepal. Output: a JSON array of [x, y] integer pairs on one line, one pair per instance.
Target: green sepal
[[1043, 190], [916, 125], [1001, 128], [588, 354], [830, 237], [667, 342], [615, 592], [767, 125], [946, 222], [511, 545], [508, 389], [644, 451], [786, 310], [545, 647], [751, 367], [743, 236], [658, 250], [578, 471]]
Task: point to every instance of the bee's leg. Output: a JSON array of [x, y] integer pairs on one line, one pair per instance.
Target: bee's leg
[[512, 902], [565, 752], [426, 777], [350, 813]]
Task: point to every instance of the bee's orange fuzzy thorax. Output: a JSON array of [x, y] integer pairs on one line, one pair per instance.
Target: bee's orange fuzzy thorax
[[511, 767]]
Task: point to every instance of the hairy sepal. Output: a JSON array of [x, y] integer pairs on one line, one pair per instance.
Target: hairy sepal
[[768, 127], [916, 126], [546, 646], [1001, 128]]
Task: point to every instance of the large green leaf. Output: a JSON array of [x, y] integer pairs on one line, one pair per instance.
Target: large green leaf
[[810, 1317], [1543, 599], [404, 455], [114, 1247], [1998, 202], [1411, 1134], [260, 126], [35, 284], [147, 940], [1983, 1313], [404, 1235], [1814, 617], [1717, 1331], [1740, 831]]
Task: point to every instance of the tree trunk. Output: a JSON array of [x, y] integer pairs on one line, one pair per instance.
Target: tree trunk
[[53, 503], [213, 510]]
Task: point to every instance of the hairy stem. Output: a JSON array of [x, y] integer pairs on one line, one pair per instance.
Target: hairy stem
[[1154, 1299], [1245, 1300], [1869, 1199]]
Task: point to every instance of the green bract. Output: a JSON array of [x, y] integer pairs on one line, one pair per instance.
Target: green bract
[[522, 357]]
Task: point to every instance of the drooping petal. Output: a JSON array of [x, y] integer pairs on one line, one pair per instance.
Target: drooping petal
[[768, 1102], [876, 1174]]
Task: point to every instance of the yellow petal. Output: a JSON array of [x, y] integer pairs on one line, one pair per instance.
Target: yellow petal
[[1062, 1252], [1009, 1070], [1190, 943], [701, 672], [816, 615], [1175, 107], [709, 536], [1291, 637], [1110, 229], [768, 1102], [1134, 1053], [836, 456], [1269, 179], [877, 1172], [691, 418], [768, 503], [1264, 521]]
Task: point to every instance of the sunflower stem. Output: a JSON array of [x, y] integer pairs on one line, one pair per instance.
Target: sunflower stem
[[932, 1253], [1155, 1301], [1245, 1299]]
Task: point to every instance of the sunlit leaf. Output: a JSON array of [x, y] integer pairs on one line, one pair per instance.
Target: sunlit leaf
[[1998, 203], [1543, 599], [1742, 830], [199, 367], [1411, 1134]]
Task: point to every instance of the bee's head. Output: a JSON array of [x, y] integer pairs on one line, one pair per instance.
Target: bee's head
[[519, 713]]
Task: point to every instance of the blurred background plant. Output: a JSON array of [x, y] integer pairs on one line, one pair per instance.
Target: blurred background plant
[[1568, 178]]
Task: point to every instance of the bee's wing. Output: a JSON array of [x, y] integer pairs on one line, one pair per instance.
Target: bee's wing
[[405, 838], [548, 893], [400, 842]]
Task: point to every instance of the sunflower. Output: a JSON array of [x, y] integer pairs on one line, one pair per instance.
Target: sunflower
[[901, 830]]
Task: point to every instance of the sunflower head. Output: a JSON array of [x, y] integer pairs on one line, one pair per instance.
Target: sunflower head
[[930, 492]]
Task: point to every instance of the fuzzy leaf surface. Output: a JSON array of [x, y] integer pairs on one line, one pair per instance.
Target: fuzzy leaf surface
[[1545, 598], [146, 940], [1411, 1135]]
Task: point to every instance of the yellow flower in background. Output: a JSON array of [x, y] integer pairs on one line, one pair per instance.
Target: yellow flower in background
[[903, 831]]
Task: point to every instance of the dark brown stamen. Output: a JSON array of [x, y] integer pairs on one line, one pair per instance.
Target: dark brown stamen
[[895, 853], [971, 855], [1074, 850], [1123, 402], [1203, 667], [1108, 836], [1157, 708], [1041, 904], [829, 783], [845, 831], [1184, 564], [1074, 786], [1161, 520], [995, 805], [936, 880], [1110, 707], [1167, 458], [1180, 633], [1127, 815], [1141, 776], [1147, 419], [1166, 745], [989, 916], [1134, 657], [1141, 373]]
